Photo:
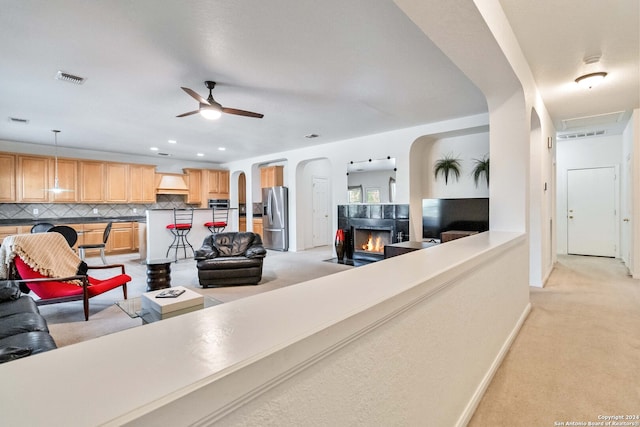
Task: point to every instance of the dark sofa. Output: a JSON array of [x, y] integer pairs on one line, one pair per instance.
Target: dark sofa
[[23, 331], [230, 259]]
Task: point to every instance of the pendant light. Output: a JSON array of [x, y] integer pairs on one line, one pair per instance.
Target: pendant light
[[56, 184]]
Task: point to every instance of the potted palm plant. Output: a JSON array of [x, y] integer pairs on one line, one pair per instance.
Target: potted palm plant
[[481, 167], [445, 166]]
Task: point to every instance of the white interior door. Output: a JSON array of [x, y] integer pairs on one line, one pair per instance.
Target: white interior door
[[320, 203], [591, 212]]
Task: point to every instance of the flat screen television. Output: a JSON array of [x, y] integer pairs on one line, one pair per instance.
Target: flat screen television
[[440, 215]]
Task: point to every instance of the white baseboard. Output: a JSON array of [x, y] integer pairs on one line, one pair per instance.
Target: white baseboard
[[468, 412]]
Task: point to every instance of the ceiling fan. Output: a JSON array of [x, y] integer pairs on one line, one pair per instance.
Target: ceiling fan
[[210, 109]]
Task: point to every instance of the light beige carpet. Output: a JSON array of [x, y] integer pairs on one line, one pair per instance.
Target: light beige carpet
[[577, 356]]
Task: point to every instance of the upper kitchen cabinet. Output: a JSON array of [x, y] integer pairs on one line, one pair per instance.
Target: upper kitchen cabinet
[[194, 182], [142, 188], [33, 179], [7, 178], [67, 170], [271, 176], [116, 183], [218, 184], [92, 181]]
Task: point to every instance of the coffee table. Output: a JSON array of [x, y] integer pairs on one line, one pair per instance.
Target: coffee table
[[151, 309]]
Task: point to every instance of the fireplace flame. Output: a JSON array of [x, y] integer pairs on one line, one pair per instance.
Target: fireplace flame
[[373, 247]]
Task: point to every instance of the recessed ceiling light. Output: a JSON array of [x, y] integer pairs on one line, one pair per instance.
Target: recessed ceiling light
[[154, 148], [312, 135], [221, 148], [172, 141], [200, 154]]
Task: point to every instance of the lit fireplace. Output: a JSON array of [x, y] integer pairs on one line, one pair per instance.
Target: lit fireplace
[[371, 241]]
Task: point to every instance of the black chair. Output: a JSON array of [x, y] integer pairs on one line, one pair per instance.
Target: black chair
[[41, 227], [182, 222], [101, 246], [70, 235]]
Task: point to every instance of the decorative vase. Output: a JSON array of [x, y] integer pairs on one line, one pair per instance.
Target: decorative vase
[[339, 243]]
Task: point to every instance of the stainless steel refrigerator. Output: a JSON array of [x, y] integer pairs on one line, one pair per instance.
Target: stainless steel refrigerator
[[275, 218]]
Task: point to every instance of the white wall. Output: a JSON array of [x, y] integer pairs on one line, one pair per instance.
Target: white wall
[[603, 151], [395, 144], [630, 195], [465, 147]]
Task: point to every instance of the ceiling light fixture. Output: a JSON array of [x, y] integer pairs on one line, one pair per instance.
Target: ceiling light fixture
[[221, 148], [172, 141], [210, 112], [591, 80], [56, 183]]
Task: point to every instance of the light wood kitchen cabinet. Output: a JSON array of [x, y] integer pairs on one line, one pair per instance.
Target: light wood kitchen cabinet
[[33, 179], [218, 184], [7, 178], [242, 189], [92, 181], [10, 230], [257, 226], [271, 176], [242, 223], [142, 187], [116, 182], [194, 177], [67, 170], [120, 238]]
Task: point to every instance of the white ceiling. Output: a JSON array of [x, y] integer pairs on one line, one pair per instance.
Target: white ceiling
[[335, 68], [556, 37]]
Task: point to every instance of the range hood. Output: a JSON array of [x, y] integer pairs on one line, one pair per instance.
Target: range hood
[[169, 183]]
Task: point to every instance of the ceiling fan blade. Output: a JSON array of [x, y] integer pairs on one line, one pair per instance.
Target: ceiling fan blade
[[242, 113], [195, 95], [189, 113]]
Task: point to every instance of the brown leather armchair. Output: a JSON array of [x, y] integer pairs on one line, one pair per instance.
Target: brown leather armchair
[[230, 259]]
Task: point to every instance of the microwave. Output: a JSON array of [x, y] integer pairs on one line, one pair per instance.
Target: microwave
[[219, 203]]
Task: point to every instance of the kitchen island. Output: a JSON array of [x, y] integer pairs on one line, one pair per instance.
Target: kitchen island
[[158, 238]]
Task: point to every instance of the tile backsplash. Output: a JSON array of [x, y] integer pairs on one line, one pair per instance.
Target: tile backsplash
[[84, 210]]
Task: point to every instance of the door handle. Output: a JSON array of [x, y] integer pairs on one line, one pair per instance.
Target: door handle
[[570, 216], [626, 219]]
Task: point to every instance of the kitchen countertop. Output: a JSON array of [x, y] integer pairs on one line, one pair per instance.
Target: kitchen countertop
[[72, 220]]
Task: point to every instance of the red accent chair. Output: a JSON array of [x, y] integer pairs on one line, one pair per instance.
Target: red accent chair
[[53, 290], [220, 219]]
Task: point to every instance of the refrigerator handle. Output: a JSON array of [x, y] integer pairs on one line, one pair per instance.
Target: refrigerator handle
[[270, 206]]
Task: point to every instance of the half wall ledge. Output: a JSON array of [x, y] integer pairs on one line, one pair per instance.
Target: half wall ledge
[[402, 340]]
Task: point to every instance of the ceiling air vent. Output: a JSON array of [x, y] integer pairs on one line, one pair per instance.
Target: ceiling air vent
[[163, 154], [18, 120], [66, 77], [582, 134]]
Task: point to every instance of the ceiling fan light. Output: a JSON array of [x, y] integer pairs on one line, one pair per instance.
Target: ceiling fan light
[[210, 112], [591, 80]]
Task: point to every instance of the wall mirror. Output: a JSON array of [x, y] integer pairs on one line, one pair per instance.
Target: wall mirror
[[372, 181]]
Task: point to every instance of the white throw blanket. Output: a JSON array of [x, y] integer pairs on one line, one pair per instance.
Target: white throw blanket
[[47, 253]]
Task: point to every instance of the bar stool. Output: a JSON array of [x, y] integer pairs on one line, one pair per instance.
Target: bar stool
[[182, 221], [220, 219]]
